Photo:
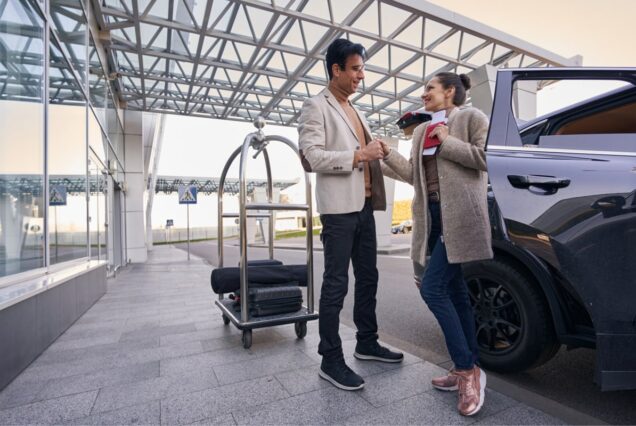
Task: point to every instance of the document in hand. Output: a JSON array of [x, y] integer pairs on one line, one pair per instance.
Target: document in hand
[[430, 143]]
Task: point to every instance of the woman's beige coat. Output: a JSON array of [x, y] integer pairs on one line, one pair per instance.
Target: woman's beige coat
[[461, 167]]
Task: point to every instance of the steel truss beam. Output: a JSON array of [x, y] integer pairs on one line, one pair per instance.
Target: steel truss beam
[[236, 59]]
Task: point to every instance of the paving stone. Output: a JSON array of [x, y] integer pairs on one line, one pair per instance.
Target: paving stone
[[219, 343], [211, 403], [52, 411], [422, 409], [324, 406], [520, 415], [158, 331], [205, 334], [302, 380], [20, 392], [53, 356], [141, 414], [151, 349], [85, 382], [115, 397], [85, 343], [226, 419], [494, 403], [83, 332], [259, 367], [383, 389], [203, 361]]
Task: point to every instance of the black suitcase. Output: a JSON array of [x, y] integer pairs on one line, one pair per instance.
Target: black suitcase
[[273, 300]]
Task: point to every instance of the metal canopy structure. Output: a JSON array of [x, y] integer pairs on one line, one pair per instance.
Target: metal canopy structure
[[20, 186], [237, 59], [170, 184]]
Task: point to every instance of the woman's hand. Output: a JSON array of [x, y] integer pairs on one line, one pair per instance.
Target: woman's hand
[[440, 132], [385, 148]]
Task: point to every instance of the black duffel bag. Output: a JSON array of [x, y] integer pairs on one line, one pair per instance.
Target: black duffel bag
[[228, 280]]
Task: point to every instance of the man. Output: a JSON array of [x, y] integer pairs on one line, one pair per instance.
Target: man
[[335, 143]]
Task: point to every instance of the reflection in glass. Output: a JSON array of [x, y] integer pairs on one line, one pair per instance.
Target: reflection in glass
[[115, 133], [97, 209], [67, 162], [21, 138], [96, 82], [69, 24], [96, 139]]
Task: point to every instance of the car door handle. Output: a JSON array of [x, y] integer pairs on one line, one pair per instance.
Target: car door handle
[[548, 183], [611, 202]]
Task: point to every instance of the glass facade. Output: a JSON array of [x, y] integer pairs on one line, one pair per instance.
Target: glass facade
[[22, 74], [62, 138]]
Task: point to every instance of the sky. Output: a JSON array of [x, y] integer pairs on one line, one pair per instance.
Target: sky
[[602, 32]]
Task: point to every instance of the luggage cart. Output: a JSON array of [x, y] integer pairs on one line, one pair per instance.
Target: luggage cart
[[243, 320]]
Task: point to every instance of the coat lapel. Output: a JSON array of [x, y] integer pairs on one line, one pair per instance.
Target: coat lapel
[[331, 99]]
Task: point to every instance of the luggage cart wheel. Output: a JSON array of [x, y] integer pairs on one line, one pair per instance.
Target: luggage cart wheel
[[226, 320], [301, 329], [247, 339]]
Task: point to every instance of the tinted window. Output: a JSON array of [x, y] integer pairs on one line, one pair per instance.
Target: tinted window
[[581, 115]]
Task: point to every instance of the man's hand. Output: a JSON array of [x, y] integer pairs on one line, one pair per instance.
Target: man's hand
[[373, 151]]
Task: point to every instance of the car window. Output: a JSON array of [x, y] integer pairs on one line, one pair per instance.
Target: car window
[[579, 115]]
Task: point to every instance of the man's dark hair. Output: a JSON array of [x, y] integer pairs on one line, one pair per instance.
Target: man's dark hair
[[338, 52]]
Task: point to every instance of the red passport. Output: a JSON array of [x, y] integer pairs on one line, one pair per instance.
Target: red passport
[[430, 142]]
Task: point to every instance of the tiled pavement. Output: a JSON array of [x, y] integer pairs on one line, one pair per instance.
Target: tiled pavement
[[154, 350]]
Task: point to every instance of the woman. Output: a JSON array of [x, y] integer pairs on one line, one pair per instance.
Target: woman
[[450, 218]]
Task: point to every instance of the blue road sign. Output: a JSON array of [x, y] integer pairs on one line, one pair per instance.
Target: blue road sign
[[187, 194], [169, 222], [57, 195]]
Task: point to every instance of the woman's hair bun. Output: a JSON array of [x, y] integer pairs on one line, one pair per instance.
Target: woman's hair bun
[[465, 81]]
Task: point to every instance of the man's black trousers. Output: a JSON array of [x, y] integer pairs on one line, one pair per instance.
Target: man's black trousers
[[348, 237]]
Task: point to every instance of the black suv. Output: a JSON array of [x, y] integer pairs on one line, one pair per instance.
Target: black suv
[[563, 219]]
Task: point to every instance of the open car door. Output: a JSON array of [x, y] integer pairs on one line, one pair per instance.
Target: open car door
[[565, 186]]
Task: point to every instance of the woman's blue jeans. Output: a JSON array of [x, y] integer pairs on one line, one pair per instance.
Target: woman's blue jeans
[[446, 295]]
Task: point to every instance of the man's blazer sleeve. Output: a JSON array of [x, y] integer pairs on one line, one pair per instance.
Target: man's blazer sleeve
[[312, 140]]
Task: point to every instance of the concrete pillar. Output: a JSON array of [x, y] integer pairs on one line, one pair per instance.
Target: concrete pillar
[[257, 230], [524, 100], [153, 139], [383, 219], [135, 187], [482, 91]]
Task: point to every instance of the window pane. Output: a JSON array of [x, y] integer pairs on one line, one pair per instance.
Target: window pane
[[67, 162], [97, 209], [22, 138], [587, 115], [69, 23], [96, 82]]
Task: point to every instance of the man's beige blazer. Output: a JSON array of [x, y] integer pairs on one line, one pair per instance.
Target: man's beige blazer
[[327, 141]]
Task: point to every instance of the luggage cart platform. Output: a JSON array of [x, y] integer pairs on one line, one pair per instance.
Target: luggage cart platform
[[230, 312]]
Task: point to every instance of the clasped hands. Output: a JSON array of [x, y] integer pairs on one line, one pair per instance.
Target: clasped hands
[[377, 149]]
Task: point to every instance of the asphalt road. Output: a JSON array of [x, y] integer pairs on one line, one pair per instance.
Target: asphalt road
[[564, 384]]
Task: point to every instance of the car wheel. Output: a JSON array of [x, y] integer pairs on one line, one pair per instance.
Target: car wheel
[[513, 322]]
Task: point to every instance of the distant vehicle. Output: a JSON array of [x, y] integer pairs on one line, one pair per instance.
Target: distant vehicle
[[403, 228], [563, 218]]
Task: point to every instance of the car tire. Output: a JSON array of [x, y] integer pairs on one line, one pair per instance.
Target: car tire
[[513, 321]]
